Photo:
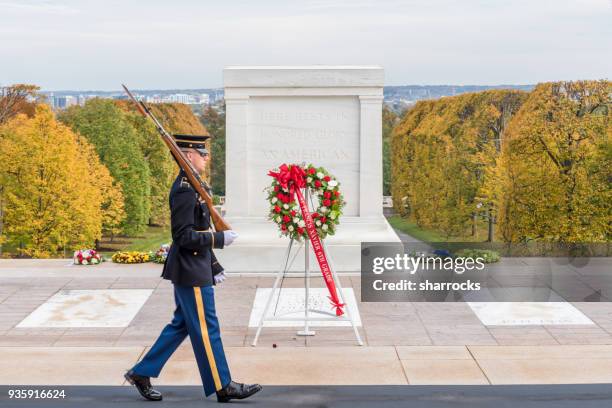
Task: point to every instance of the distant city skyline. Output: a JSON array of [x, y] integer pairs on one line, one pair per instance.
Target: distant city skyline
[[397, 98], [119, 90], [97, 45]]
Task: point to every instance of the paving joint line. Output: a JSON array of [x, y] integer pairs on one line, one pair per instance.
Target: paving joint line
[[552, 335], [492, 335], [478, 364], [589, 317], [416, 310], [401, 365]]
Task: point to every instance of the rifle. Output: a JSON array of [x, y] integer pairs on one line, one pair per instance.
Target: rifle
[[192, 175]]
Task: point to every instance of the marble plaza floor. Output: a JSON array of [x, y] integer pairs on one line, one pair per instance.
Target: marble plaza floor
[[64, 324]]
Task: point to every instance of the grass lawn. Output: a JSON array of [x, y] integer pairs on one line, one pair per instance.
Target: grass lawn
[[413, 230], [428, 235], [150, 240]]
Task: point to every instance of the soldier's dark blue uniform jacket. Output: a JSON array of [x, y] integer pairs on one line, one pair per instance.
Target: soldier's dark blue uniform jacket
[[191, 261]]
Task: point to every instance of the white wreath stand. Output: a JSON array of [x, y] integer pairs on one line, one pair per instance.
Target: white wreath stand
[[307, 318]]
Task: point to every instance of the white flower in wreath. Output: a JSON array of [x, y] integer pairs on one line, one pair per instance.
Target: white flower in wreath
[[290, 228], [320, 175], [332, 183], [325, 227], [274, 200], [286, 206], [309, 179], [302, 223], [296, 220], [332, 215], [323, 209], [278, 218], [318, 223]]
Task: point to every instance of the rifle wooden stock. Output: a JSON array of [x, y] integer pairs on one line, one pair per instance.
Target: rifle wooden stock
[[192, 175]]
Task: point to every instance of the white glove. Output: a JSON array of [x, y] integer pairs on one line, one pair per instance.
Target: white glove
[[229, 236], [220, 277]]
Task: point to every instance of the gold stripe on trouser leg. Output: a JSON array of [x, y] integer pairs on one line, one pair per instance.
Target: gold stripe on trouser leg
[[206, 339]]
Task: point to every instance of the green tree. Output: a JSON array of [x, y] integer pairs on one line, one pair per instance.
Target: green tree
[[117, 143], [215, 123], [109, 193], [176, 118], [162, 168], [389, 120]]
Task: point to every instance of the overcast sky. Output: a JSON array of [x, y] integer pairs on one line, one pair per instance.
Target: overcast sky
[[160, 44]]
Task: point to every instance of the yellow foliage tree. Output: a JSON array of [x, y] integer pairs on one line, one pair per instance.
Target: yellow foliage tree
[[52, 186], [440, 151], [552, 180]]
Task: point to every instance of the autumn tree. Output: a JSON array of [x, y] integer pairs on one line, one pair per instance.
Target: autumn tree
[[53, 200], [552, 180], [16, 99], [440, 151]]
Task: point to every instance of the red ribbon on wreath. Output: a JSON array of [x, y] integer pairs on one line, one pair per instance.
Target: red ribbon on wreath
[[293, 178]]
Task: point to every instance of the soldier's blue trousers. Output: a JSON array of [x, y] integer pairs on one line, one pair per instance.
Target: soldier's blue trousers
[[194, 316]]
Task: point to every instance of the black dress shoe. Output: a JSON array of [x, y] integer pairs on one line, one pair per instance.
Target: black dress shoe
[[235, 390], [143, 385]]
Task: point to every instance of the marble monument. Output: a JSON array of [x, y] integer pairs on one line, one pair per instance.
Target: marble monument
[[330, 116]]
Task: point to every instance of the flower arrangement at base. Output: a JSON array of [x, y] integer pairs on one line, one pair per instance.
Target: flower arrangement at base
[[131, 257], [161, 254], [86, 257], [285, 211]]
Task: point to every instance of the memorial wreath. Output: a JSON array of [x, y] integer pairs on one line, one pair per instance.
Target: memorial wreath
[[285, 211], [289, 180]]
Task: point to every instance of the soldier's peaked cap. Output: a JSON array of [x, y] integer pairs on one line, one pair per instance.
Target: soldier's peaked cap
[[192, 141]]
